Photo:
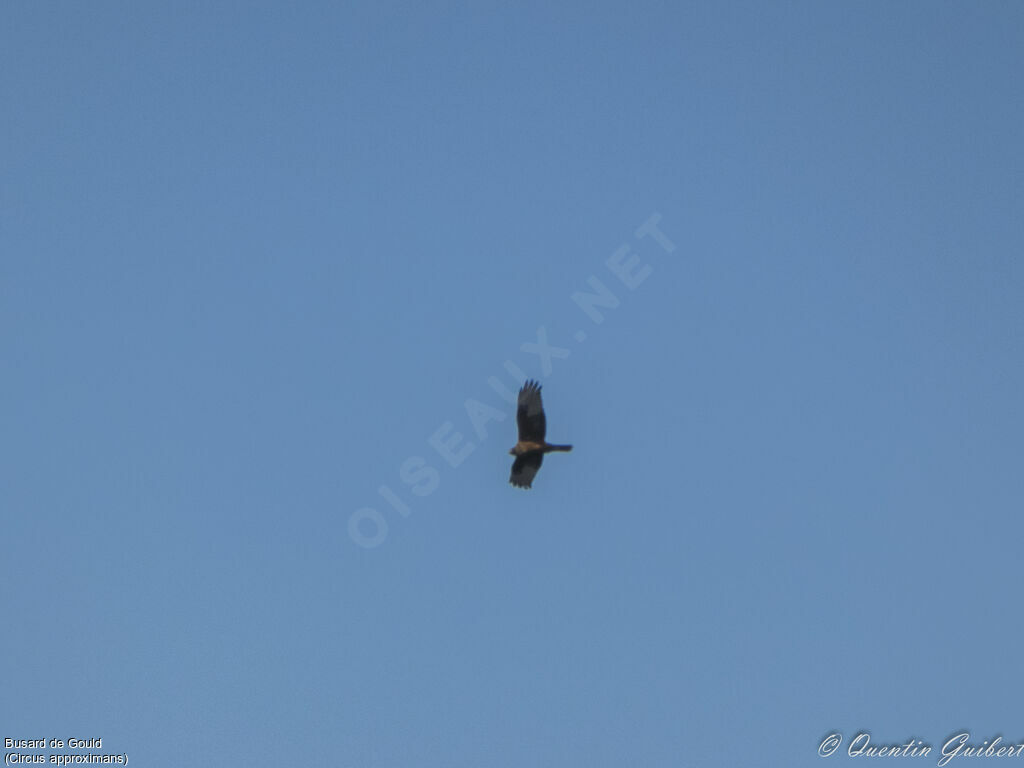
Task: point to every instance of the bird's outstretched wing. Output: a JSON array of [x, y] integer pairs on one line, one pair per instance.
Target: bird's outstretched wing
[[524, 468], [530, 415]]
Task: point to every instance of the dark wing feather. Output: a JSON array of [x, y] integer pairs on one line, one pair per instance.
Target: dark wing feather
[[524, 468], [530, 414]]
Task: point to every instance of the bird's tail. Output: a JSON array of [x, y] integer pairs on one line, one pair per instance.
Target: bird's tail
[[559, 447]]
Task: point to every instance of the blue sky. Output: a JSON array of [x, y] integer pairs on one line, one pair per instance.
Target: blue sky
[[255, 258]]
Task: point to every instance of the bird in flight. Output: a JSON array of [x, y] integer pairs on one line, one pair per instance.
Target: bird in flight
[[530, 449]]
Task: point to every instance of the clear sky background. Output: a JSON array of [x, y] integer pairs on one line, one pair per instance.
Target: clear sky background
[[254, 256]]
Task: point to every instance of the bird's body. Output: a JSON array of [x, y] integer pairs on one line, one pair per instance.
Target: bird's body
[[531, 447], [525, 447]]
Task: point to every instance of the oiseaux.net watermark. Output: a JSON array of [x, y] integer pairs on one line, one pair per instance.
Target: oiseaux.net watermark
[[959, 745], [368, 527]]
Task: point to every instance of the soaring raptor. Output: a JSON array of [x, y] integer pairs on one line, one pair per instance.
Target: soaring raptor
[[530, 449]]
